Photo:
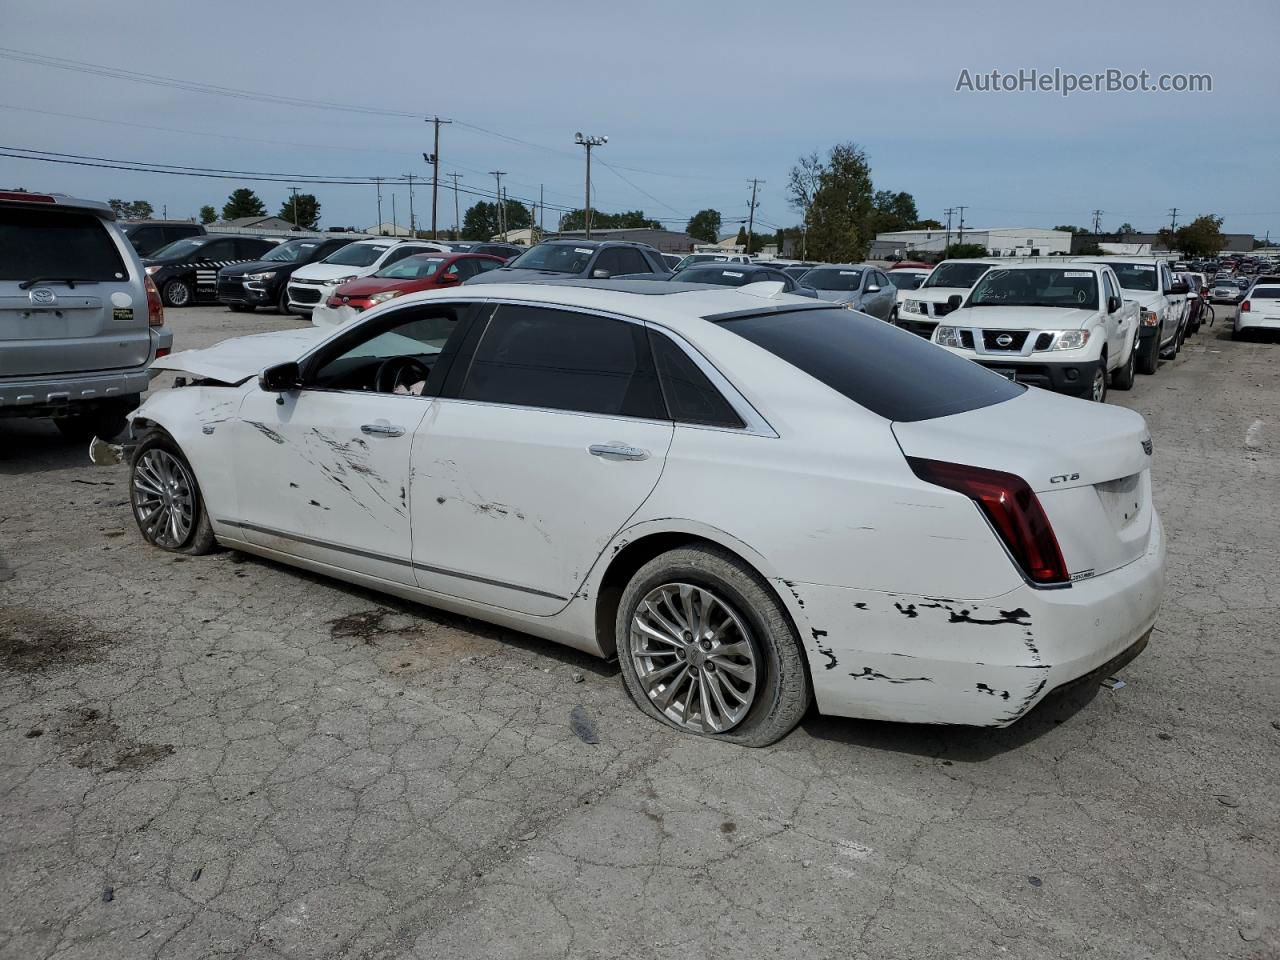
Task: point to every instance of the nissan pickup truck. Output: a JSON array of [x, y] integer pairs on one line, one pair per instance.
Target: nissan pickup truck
[[1064, 327], [922, 309], [1162, 305]]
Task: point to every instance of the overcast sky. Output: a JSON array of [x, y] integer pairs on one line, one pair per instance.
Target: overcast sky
[[701, 97]]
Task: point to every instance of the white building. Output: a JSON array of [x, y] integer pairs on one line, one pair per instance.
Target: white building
[[387, 230], [998, 241]]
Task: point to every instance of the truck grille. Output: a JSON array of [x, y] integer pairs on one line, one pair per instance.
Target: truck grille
[[989, 338]]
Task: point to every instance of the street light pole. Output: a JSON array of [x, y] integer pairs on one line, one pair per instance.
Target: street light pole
[[588, 142]]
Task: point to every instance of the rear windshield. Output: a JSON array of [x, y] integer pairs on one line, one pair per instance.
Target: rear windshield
[[357, 254], [725, 276], [56, 245], [823, 278], [889, 371]]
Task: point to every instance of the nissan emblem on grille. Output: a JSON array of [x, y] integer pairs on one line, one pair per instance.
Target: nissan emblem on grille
[[1004, 340], [43, 297]]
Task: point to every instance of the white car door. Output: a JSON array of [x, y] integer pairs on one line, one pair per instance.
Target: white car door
[[550, 436], [322, 472], [1117, 332]]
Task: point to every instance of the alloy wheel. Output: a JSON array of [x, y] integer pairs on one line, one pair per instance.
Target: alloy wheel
[[695, 657], [164, 498], [178, 294]]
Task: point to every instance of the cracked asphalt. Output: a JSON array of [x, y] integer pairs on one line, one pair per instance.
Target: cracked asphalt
[[224, 757]]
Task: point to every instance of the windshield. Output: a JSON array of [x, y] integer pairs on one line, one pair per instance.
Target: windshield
[[358, 254], [1039, 287], [833, 279], [906, 281], [291, 251], [875, 365], [412, 268], [956, 275], [1135, 276], [179, 249], [556, 257]]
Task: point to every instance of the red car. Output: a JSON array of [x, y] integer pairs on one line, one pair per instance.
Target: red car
[[423, 271]]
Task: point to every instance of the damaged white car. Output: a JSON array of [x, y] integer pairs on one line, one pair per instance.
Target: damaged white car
[[754, 501]]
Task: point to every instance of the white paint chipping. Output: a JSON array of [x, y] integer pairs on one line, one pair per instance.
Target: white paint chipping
[[1253, 436]]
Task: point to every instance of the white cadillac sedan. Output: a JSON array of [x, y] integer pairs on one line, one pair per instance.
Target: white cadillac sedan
[[753, 501]]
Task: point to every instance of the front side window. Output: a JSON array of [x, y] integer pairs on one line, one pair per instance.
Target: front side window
[[55, 244], [561, 360], [218, 250], [1037, 287], [877, 366], [1135, 276], [398, 351]]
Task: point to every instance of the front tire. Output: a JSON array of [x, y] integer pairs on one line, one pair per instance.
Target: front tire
[[1122, 379], [282, 303], [166, 500], [705, 647], [1098, 389], [177, 293], [1149, 355]]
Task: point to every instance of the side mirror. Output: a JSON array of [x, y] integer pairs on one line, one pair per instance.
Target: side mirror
[[873, 288], [447, 278], [281, 378], [1113, 304], [954, 301], [600, 274], [1179, 288]]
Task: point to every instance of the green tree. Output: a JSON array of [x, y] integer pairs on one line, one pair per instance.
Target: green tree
[[243, 203], [964, 251], [132, 209], [1126, 229], [1071, 228], [704, 225], [480, 222], [208, 214], [308, 210], [927, 225], [630, 219], [838, 201], [1202, 237], [893, 211], [741, 239]]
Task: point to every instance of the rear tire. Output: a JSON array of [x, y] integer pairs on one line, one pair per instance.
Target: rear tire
[[106, 420], [177, 293], [753, 628], [1122, 379], [162, 485]]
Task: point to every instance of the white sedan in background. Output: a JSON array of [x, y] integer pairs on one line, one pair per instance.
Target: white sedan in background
[[754, 501]]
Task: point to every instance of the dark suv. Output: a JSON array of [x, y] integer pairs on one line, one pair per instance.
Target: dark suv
[[148, 236], [265, 282], [579, 259], [186, 271]]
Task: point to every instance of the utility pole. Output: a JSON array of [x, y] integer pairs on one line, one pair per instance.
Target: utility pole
[[434, 160], [413, 227], [457, 221], [294, 191], [542, 212], [588, 142], [960, 239], [1173, 223], [497, 176], [164, 211], [378, 182], [751, 214], [395, 227], [949, 211], [1097, 220], [504, 215]]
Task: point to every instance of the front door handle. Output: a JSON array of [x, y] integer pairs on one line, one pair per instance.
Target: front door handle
[[617, 451], [382, 430]]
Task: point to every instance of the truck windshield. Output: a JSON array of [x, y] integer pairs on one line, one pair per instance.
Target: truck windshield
[[956, 274], [1038, 287], [1135, 276]]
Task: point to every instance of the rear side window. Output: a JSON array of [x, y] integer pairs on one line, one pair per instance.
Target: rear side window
[[890, 372], [690, 396], [56, 244], [537, 357], [1264, 293]]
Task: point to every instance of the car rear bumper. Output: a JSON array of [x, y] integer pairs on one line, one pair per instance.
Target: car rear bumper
[[984, 663], [47, 396], [1253, 320]]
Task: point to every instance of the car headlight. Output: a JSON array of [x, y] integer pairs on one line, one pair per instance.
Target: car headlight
[[338, 280], [1071, 340], [384, 296], [1150, 318], [153, 269], [947, 337], [912, 306], [265, 275]]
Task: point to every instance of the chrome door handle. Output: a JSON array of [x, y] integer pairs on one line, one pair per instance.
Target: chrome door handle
[[617, 451], [382, 430]]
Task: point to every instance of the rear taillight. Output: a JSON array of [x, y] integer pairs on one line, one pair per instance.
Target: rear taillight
[[1013, 509], [155, 306], [1244, 307]]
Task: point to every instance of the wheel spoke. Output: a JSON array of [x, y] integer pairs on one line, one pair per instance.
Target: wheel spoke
[[655, 634], [662, 698], [745, 672], [673, 632]]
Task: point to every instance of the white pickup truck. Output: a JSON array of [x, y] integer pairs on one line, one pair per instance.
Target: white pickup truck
[[921, 310], [1162, 305], [1065, 327]]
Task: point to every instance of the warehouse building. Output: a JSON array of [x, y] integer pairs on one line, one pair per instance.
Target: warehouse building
[[998, 241]]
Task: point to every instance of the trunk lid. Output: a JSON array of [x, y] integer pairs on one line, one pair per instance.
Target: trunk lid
[[1087, 462]]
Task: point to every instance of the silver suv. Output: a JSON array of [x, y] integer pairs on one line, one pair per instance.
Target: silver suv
[[80, 321]]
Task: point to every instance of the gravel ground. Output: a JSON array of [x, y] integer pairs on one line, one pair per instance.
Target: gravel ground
[[221, 756]]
